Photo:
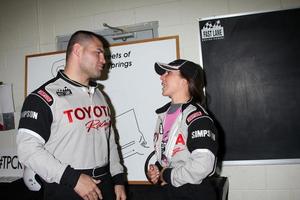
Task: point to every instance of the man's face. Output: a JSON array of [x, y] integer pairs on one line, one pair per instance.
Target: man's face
[[92, 59]]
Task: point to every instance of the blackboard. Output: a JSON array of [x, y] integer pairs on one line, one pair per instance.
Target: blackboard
[[133, 88], [252, 66]]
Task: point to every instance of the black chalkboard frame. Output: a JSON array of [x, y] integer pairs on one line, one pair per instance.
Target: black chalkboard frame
[[252, 66]]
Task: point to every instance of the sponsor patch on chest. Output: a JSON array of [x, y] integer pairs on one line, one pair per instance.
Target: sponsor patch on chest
[[180, 139], [63, 92], [95, 117]]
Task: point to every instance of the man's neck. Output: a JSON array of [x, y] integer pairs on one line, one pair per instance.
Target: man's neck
[[76, 76]]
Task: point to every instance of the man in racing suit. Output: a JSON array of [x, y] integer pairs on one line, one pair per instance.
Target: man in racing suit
[[65, 133], [187, 158]]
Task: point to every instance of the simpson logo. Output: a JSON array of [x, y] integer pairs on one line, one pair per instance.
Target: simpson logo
[[29, 114], [212, 31], [45, 96], [203, 133]]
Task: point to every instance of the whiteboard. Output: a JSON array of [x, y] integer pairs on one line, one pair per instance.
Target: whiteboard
[[134, 90]]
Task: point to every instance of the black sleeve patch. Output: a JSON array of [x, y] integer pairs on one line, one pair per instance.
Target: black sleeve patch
[[36, 115], [202, 134]]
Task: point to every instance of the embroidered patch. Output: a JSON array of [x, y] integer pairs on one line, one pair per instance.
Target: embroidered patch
[[203, 133], [29, 114], [193, 116], [180, 139], [45, 96], [63, 92]]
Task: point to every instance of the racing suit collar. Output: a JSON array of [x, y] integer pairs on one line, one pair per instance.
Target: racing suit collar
[[166, 106], [63, 76]]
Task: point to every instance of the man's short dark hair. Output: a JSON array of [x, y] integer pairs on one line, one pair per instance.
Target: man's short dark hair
[[80, 37]]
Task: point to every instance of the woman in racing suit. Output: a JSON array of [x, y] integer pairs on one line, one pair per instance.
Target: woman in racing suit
[[185, 139]]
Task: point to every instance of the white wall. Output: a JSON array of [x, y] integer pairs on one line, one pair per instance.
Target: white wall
[[31, 26]]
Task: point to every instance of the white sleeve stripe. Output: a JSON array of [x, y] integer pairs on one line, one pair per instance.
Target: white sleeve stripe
[[211, 154], [203, 151], [24, 130]]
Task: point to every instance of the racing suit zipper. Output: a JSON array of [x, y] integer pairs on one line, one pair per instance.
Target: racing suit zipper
[[91, 93]]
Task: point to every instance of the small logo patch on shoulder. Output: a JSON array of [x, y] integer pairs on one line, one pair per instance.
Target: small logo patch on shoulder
[[193, 116], [45, 96]]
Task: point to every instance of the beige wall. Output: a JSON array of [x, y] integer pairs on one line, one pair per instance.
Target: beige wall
[[31, 26]]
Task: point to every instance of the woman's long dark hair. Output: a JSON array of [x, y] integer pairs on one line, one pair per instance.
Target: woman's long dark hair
[[196, 86]]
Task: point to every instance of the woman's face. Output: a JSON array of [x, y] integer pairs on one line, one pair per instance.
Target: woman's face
[[173, 84]]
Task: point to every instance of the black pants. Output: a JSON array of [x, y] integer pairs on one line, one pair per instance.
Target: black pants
[[203, 191], [54, 191]]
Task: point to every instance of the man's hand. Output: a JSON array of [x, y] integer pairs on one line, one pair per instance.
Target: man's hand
[[86, 187], [120, 192], [153, 173]]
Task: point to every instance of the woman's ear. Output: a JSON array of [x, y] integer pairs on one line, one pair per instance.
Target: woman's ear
[[184, 82]]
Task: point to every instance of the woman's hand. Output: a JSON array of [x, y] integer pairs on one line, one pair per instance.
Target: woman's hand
[[161, 177], [153, 173]]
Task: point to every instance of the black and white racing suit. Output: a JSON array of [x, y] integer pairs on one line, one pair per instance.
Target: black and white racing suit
[[65, 128], [191, 152]]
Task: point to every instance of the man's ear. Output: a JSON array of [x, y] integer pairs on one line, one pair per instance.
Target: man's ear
[[77, 49]]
